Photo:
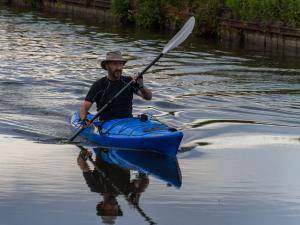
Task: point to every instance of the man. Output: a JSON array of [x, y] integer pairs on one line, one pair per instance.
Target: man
[[107, 87]]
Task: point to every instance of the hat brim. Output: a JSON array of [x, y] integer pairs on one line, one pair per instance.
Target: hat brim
[[104, 62]]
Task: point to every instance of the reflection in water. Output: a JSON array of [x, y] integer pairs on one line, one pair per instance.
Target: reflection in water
[[43, 184], [161, 166], [111, 177], [100, 182]]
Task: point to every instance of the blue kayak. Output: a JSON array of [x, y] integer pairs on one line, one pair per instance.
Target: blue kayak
[[163, 167], [132, 133]]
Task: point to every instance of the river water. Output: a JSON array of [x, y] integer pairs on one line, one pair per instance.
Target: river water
[[239, 111]]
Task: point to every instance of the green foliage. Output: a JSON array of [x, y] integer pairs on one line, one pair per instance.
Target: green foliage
[[205, 11], [144, 13], [172, 13], [267, 11], [176, 12], [122, 9], [149, 13], [206, 14], [33, 3]]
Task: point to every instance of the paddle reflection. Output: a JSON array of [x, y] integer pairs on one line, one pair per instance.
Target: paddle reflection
[[124, 172]]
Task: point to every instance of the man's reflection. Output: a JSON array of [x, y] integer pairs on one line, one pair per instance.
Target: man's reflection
[[111, 180]]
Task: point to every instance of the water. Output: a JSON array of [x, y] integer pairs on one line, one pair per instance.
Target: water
[[239, 112]]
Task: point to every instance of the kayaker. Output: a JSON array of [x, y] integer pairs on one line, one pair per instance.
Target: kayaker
[[106, 87]]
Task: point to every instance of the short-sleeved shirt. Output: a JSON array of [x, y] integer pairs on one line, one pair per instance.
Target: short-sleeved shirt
[[104, 89]]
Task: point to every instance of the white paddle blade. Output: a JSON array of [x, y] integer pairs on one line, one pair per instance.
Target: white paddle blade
[[185, 31]]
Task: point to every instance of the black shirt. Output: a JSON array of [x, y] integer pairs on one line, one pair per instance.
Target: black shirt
[[104, 89]]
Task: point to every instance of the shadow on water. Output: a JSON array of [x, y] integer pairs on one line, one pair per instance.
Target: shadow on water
[[112, 177]]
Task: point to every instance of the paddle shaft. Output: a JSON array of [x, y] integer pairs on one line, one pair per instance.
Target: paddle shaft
[[113, 98]]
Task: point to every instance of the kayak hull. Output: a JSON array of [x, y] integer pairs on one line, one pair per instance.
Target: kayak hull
[[132, 133]]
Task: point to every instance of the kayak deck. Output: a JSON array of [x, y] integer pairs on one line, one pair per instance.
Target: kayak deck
[[132, 133]]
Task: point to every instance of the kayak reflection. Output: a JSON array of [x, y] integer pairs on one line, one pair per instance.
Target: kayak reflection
[[113, 175], [161, 166]]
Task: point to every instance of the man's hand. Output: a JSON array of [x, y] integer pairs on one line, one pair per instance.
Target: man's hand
[[144, 92], [84, 109], [138, 80], [85, 123]]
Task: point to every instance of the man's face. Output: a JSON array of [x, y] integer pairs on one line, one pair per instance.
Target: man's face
[[114, 69]]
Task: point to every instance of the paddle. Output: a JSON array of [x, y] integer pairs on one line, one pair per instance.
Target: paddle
[[184, 32]]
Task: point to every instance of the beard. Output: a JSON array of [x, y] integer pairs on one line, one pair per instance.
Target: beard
[[116, 74]]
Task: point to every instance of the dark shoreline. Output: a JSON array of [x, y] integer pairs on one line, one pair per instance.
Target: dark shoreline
[[231, 33]]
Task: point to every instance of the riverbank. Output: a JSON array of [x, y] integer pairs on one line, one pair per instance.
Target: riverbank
[[71, 8], [259, 25]]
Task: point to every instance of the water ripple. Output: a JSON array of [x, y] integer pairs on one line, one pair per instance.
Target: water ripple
[[48, 64]]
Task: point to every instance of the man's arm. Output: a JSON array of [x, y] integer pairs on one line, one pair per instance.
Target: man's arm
[[84, 109], [143, 92]]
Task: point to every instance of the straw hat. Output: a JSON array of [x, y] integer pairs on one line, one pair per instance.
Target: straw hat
[[113, 56]]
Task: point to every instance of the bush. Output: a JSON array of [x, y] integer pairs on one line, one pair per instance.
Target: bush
[[206, 13], [34, 3], [173, 13], [144, 13], [149, 13], [123, 10], [266, 11]]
